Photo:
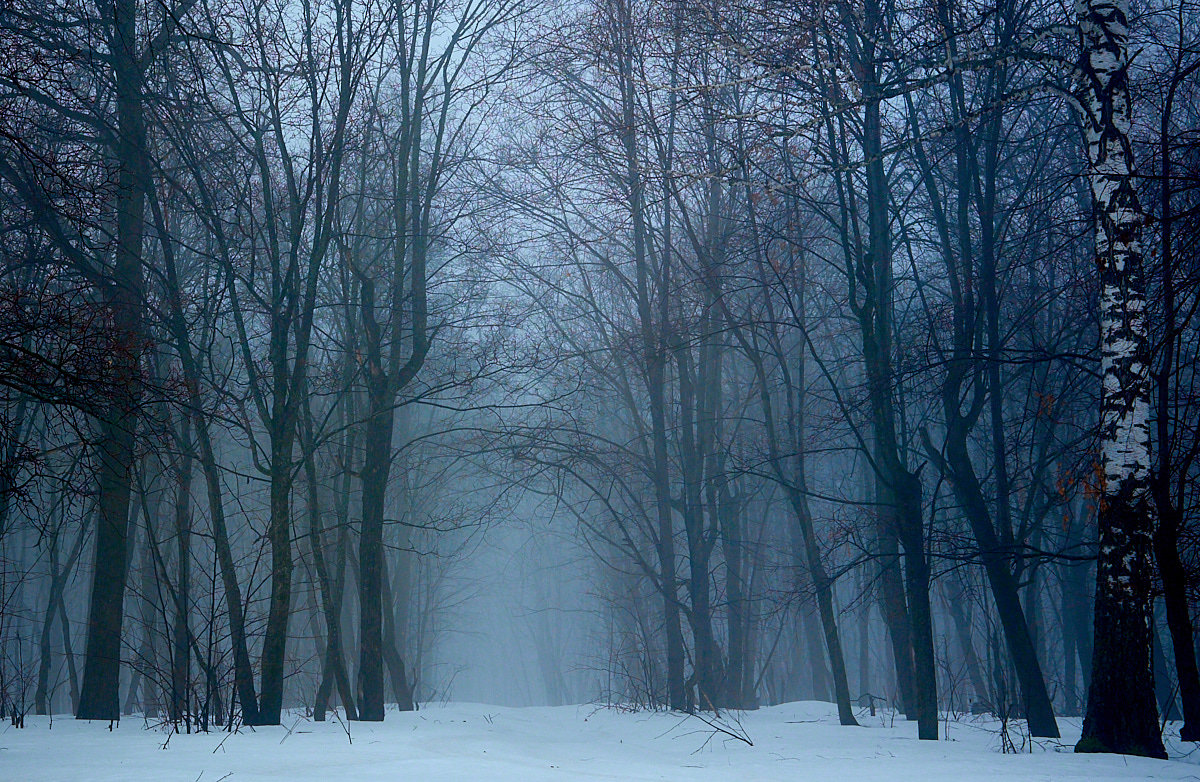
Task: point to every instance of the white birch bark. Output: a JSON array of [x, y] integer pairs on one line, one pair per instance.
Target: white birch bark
[[1123, 331], [1121, 714]]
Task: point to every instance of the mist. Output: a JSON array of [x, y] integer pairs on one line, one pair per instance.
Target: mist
[[783, 363]]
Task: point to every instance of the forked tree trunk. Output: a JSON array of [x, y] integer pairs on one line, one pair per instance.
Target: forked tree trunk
[[243, 674], [402, 683], [58, 581], [997, 564], [653, 348], [334, 667], [806, 552], [962, 388], [898, 489]]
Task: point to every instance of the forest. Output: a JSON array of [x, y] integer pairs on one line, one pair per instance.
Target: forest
[[685, 356]]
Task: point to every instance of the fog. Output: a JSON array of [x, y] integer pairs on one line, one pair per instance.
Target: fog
[[364, 356]]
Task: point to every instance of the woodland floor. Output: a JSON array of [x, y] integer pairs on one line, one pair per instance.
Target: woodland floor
[[798, 741]]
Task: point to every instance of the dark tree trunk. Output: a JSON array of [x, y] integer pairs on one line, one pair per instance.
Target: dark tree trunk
[[64, 624], [1179, 619], [1121, 713], [100, 697], [894, 608], [279, 535], [810, 555], [402, 684], [334, 665], [377, 457], [739, 672], [916, 578], [964, 373], [898, 490], [243, 673], [1170, 521], [179, 707], [388, 372], [654, 354], [998, 565], [699, 614], [143, 688]]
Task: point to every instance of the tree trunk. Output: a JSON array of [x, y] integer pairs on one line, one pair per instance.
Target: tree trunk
[[99, 697], [1170, 521], [145, 671], [58, 582], [653, 348], [377, 457], [279, 535], [181, 656], [64, 624], [1121, 714], [898, 490], [957, 608], [243, 673], [338, 574], [707, 657], [334, 662], [997, 565], [402, 686], [1179, 619], [916, 582]]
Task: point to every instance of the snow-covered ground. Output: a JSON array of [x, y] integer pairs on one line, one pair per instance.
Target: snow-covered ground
[[799, 741]]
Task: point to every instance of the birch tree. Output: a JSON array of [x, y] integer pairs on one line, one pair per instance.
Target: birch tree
[[1121, 712]]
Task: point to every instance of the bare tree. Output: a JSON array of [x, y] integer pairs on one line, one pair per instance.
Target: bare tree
[[1121, 712]]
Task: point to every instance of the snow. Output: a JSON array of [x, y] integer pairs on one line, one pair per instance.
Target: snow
[[797, 741]]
